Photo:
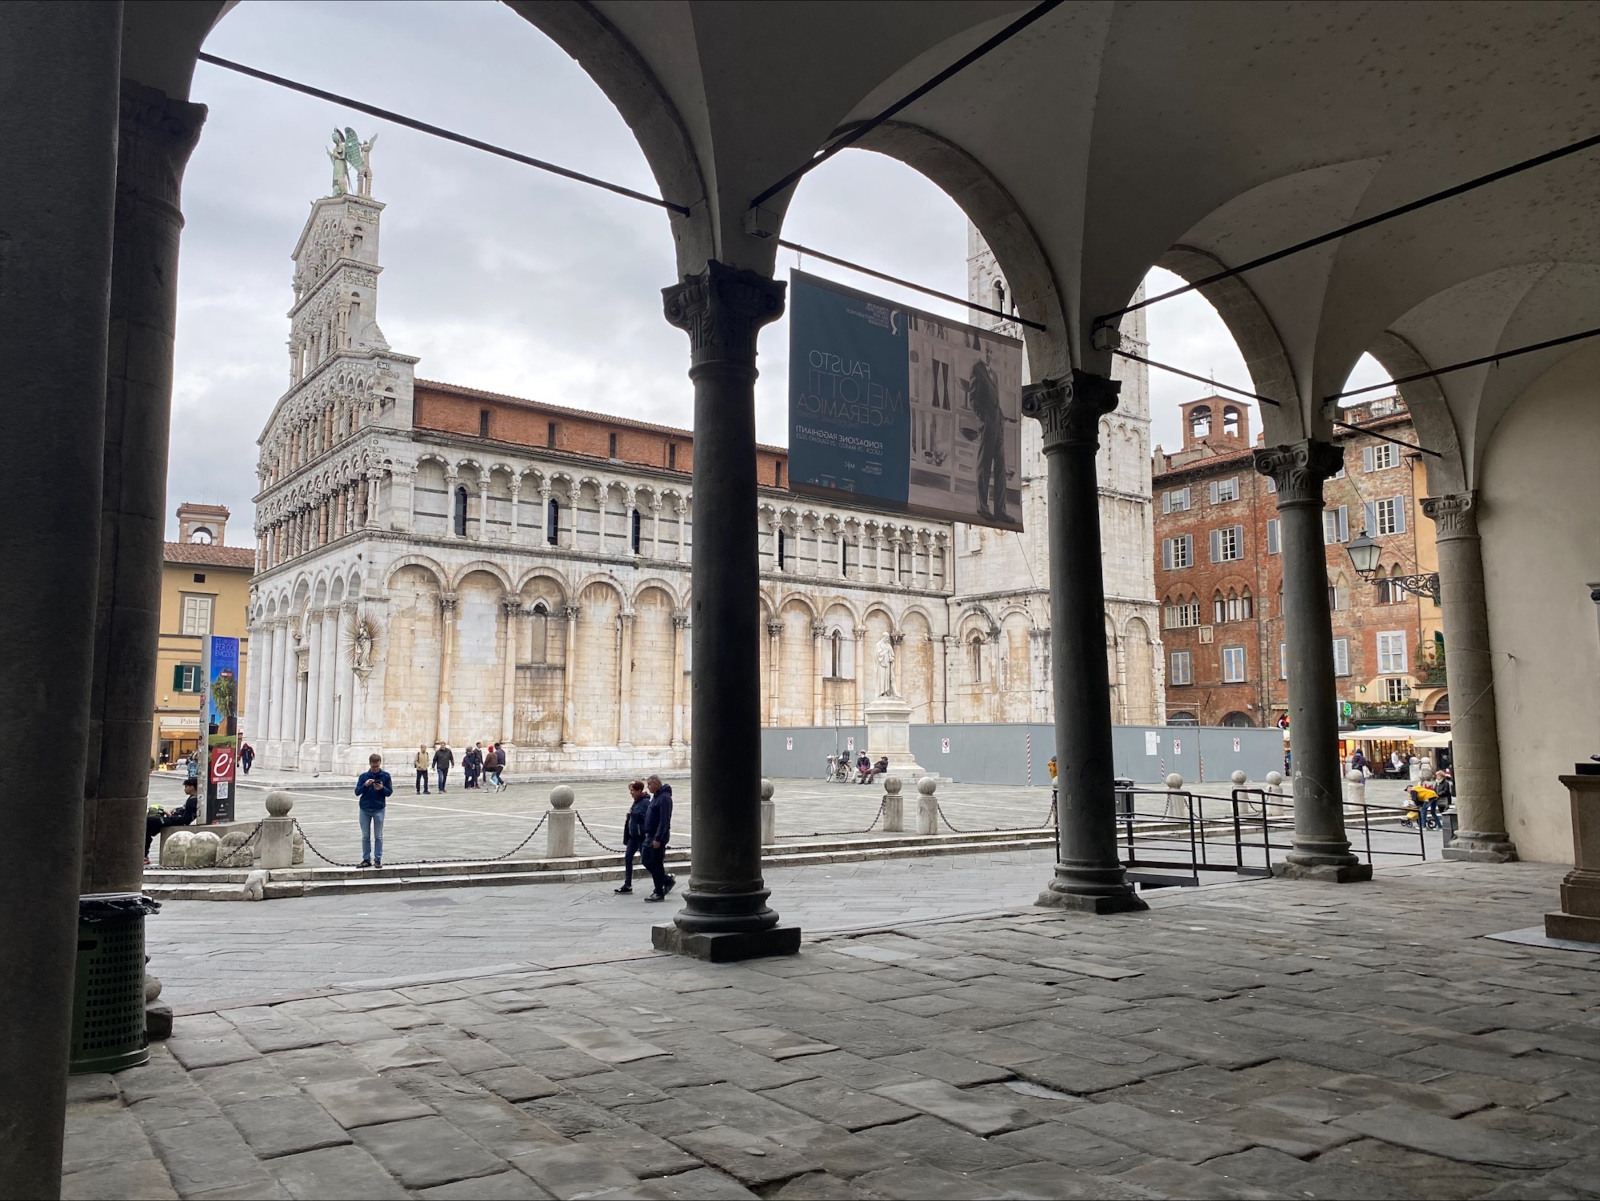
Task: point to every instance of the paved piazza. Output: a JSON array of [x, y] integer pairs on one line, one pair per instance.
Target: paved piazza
[[1265, 1039]]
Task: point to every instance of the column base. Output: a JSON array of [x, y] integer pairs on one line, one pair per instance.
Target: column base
[[1327, 873], [1473, 847], [1129, 902], [726, 946], [1572, 926]]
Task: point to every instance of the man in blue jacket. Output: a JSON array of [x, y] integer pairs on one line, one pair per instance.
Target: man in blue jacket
[[657, 832], [374, 788]]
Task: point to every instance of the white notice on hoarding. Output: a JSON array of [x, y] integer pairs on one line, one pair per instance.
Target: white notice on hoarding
[[944, 746], [1152, 743], [790, 742], [1177, 747], [849, 744], [1236, 744]]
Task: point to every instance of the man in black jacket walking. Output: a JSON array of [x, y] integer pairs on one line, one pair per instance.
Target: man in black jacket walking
[[443, 759], [657, 832]]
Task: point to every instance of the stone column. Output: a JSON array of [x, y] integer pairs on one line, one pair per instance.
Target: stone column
[[655, 527], [308, 738], [370, 516], [569, 708], [508, 694], [774, 658], [858, 665], [280, 640], [263, 647], [682, 511], [544, 511], [819, 708], [1089, 874], [348, 614], [516, 495], [483, 511], [332, 648], [1321, 850], [625, 680], [1469, 675], [680, 622], [447, 647], [725, 913], [59, 147]]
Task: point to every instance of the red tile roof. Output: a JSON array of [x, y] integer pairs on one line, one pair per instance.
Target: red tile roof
[[210, 555]]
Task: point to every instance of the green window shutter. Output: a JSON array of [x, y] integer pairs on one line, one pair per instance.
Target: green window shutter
[[177, 678]]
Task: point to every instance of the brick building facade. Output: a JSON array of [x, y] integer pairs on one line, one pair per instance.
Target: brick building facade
[[1219, 574]]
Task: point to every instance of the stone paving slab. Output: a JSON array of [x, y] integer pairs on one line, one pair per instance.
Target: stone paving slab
[[1268, 1040]]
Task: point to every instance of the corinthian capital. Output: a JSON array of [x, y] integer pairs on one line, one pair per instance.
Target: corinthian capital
[[1298, 469], [722, 310], [1069, 410], [1454, 515], [155, 136]]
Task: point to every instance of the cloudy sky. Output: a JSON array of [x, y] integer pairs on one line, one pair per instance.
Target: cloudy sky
[[498, 276]]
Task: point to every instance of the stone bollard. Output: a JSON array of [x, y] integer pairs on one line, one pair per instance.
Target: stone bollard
[[277, 832], [1177, 810], [1414, 769], [927, 806], [1239, 779], [769, 815], [1355, 788], [561, 831], [1425, 772], [894, 806]]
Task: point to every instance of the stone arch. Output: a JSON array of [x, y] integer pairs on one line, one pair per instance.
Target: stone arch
[[799, 689], [1143, 688], [544, 583], [597, 654], [1254, 333], [429, 564], [489, 568], [917, 663], [1035, 290], [678, 599], [1014, 666]]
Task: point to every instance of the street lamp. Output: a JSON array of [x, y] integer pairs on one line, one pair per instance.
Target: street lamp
[[1364, 555]]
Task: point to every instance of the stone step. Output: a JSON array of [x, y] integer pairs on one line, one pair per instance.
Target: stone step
[[226, 885]]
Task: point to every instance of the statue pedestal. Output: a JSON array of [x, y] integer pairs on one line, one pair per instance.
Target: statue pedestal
[[889, 733], [1579, 917]]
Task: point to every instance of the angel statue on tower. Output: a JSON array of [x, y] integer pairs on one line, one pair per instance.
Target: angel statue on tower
[[350, 153]]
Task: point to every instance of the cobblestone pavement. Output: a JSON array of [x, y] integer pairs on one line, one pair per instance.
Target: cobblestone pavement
[[1276, 1039], [475, 822]]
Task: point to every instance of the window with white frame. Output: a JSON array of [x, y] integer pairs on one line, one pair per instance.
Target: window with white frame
[[1396, 690], [186, 677], [1392, 653], [1233, 665], [1380, 457], [1219, 609], [1222, 491], [1386, 516], [1274, 536], [1175, 500], [1180, 672], [196, 615], [1227, 544], [1336, 525], [1177, 552], [1283, 660], [1181, 613], [1341, 656]]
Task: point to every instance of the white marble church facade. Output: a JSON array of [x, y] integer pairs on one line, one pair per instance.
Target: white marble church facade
[[436, 564]]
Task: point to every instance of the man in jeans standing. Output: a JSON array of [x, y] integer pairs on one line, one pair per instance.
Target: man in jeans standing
[[374, 788], [421, 764], [443, 759], [657, 832]]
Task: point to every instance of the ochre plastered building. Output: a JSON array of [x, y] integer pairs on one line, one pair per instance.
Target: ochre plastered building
[[205, 589]]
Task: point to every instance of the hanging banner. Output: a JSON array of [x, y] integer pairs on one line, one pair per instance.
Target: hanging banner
[[908, 411], [219, 708]]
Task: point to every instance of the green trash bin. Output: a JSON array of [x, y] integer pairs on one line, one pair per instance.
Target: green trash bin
[[108, 991]]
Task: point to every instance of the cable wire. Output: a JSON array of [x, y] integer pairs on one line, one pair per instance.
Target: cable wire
[[448, 135]]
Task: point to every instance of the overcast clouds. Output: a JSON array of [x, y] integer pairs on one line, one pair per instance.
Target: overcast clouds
[[498, 276]]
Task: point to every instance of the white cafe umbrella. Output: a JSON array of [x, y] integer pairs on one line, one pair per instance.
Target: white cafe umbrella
[[1383, 734]]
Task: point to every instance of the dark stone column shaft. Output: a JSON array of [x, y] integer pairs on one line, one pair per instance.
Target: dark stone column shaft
[[58, 144], [1469, 674], [1321, 849], [725, 913], [1089, 874], [156, 136]]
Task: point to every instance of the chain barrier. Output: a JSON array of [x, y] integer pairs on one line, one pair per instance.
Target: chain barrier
[[311, 846], [603, 846], [229, 860], [1048, 821], [841, 833]]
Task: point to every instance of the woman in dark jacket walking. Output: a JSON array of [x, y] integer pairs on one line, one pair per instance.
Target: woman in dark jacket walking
[[633, 832]]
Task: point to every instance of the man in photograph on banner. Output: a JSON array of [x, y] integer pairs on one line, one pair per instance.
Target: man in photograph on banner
[[983, 394]]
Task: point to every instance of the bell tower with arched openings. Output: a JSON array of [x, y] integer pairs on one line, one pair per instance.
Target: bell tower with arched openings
[[1216, 422]]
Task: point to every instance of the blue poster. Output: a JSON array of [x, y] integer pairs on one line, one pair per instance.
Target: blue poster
[[222, 683], [849, 418], [908, 410]]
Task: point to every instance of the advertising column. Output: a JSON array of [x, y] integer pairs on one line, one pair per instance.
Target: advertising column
[[219, 709]]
